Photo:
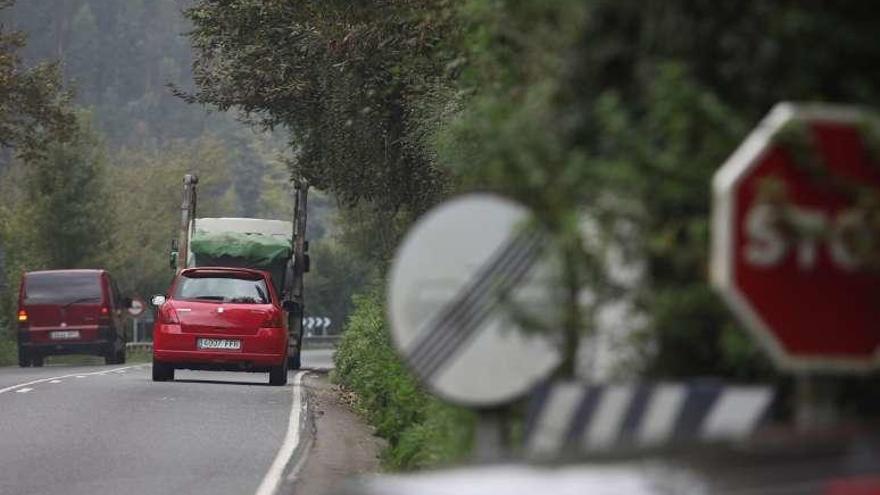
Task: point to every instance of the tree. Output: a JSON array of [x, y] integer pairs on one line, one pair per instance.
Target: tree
[[35, 106], [625, 109], [145, 188], [67, 191], [345, 78]]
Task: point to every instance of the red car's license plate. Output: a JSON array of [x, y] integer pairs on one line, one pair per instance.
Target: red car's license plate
[[219, 344]]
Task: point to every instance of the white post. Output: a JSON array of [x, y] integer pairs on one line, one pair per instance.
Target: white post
[[814, 399]]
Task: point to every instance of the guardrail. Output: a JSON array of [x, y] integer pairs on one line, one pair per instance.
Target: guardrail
[[321, 341], [145, 346]]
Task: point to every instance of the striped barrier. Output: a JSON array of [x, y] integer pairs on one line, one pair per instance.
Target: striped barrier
[[576, 418]]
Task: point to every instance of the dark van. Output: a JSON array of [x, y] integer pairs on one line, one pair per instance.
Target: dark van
[[70, 312]]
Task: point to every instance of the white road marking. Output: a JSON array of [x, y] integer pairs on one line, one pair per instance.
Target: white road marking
[[24, 390], [49, 379], [54, 381], [291, 440]]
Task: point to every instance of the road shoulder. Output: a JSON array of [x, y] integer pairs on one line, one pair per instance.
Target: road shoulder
[[343, 444]]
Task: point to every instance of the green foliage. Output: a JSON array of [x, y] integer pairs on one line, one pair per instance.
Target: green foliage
[[335, 277], [119, 57], [68, 191], [622, 111], [420, 430], [35, 106], [146, 188], [345, 78]]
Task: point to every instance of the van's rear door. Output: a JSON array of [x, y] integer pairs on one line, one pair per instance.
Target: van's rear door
[[68, 301]]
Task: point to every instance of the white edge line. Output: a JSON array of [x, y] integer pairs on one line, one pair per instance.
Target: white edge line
[[44, 380], [273, 477]]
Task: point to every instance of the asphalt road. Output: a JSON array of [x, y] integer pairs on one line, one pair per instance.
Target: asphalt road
[[110, 429]]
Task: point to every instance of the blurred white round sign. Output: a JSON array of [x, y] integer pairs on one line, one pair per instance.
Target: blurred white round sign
[[464, 281], [137, 307]]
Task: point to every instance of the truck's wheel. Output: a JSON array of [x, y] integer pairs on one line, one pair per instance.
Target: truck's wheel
[[295, 362], [278, 374], [162, 372], [120, 355]]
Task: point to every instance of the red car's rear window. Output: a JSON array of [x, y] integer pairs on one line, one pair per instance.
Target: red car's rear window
[[222, 287], [61, 288]]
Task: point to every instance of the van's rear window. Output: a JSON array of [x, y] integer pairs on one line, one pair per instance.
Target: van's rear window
[[62, 288]]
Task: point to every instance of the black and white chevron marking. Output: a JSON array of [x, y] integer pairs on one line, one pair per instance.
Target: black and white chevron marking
[[573, 417], [316, 322]]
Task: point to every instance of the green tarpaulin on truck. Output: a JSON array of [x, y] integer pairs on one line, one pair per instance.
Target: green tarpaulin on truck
[[259, 250]]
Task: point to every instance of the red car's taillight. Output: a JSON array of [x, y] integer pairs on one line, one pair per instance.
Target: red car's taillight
[[273, 320], [168, 316], [22, 317]]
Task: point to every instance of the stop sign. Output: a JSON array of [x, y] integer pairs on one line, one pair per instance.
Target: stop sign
[[785, 238]]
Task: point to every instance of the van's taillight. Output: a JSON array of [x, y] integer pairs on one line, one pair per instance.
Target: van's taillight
[[168, 316], [273, 320], [104, 318], [22, 316]]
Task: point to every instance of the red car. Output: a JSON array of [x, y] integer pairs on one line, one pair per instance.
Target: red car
[[70, 312], [227, 319]]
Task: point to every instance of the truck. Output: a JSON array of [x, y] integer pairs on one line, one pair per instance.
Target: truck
[[278, 247]]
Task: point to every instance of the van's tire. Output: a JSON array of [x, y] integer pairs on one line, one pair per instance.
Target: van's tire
[[37, 361], [162, 372], [278, 374], [110, 356], [23, 359]]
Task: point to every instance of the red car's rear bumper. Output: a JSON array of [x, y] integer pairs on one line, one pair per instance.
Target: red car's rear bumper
[[268, 347]]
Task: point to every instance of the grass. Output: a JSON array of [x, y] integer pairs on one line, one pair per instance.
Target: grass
[[421, 431]]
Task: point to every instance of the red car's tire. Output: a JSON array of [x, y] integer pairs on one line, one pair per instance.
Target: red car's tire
[[162, 372], [278, 374]]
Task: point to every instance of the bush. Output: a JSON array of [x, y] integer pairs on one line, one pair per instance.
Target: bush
[[8, 351], [421, 431]]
